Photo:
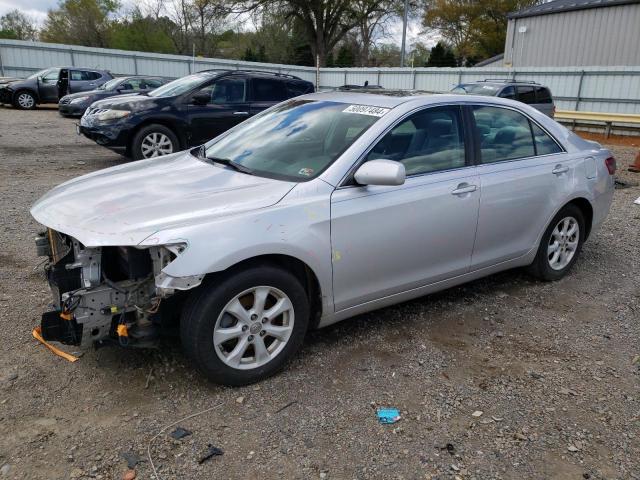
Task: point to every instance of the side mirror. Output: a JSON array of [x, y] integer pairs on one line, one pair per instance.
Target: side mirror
[[201, 98], [380, 172]]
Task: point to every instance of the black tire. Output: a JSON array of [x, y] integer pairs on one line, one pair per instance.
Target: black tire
[[20, 93], [203, 308], [541, 266], [136, 143]]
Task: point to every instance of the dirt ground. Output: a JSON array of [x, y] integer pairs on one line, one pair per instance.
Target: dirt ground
[[552, 367]]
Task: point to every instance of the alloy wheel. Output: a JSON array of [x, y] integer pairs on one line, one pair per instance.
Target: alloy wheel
[[563, 243], [253, 328], [26, 100], [156, 144]]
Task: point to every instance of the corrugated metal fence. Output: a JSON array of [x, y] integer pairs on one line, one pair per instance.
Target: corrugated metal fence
[[598, 89]]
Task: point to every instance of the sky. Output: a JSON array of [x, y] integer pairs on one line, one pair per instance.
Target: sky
[[37, 9]]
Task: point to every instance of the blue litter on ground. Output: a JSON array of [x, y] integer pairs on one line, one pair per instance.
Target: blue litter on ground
[[388, 415]]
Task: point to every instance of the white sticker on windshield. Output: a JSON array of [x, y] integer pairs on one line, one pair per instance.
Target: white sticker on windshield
[[366, 110]]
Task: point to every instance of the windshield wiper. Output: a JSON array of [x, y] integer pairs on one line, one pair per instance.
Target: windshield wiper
[[224, 161]]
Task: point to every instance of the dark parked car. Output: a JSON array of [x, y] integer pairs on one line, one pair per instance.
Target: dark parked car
[[186, 112], [531, 93], [75, 104], [51, 84]]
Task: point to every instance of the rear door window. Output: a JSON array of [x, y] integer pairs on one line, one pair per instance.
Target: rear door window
[[526, 94], [504, 134], [543, 95], [545, 145], [268, 90]]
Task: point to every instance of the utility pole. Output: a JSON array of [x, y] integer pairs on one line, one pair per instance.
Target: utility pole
[[404, 33]]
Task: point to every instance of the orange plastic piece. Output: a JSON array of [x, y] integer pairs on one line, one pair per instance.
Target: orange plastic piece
[[37, 334], [66, 315], [122, 330]]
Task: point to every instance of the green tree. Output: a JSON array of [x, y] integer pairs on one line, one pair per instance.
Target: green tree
[[138, 32], [385, 55], [249, 56], [474, 28], [16, 25], [441, 56], [419, 55], [345, 58], [80, 22]]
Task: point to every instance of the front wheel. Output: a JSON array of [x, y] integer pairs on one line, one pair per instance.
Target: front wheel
[[154, 141], [560, 245], [245, 326], [24, 100]]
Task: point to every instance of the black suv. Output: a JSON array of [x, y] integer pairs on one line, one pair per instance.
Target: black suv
[[186, 112]]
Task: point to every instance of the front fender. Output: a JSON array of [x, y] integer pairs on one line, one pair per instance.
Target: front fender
[[298, 226]]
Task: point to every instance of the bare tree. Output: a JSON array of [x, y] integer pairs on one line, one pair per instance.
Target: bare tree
[[325, 22]]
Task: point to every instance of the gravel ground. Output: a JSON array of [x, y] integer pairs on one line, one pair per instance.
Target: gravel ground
[[501, 378]]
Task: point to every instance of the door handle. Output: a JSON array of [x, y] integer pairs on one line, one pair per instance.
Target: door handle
[[241, 113], [559, 169], [464, 188]]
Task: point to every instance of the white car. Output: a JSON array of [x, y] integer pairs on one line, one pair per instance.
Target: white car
[[318, 209]]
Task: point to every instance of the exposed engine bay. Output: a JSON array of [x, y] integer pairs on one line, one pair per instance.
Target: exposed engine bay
[[108, 294]]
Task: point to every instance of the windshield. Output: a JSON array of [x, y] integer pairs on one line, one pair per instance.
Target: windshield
[[295, 140], [477, 89], [110, 85], [180, 85]]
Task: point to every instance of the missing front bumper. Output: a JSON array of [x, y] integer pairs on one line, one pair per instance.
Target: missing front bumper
[[54, 328]]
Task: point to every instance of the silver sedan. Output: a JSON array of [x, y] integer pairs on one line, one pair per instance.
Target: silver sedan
[[318, 209]]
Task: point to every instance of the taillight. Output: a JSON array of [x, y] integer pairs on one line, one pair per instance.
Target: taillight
[[611, 165]]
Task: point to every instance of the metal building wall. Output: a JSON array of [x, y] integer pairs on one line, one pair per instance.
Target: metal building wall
[[606, 36]]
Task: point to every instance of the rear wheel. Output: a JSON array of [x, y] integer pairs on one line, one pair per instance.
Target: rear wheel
[[560, 245], [24, 100], [154, 141], [245, 326]]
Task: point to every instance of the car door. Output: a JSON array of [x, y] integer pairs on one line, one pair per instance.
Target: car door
[[227, 106], [266, 92], [524, 175], [391, 239], [48, 86], [83, 80]]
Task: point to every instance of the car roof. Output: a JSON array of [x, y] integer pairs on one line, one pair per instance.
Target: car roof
[[253, 73], [502, 82], [394, 98], [71, 67], [139, 76]]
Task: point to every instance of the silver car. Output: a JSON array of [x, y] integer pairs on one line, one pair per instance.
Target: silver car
[[318, 209]]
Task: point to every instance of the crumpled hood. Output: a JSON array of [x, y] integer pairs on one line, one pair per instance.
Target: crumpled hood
[[123, 205]]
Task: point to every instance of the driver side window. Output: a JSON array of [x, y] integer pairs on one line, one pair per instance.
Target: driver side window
[[428, 141], [51, 76]]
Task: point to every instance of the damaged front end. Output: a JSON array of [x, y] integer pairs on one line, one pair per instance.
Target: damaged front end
[[108, 294]]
